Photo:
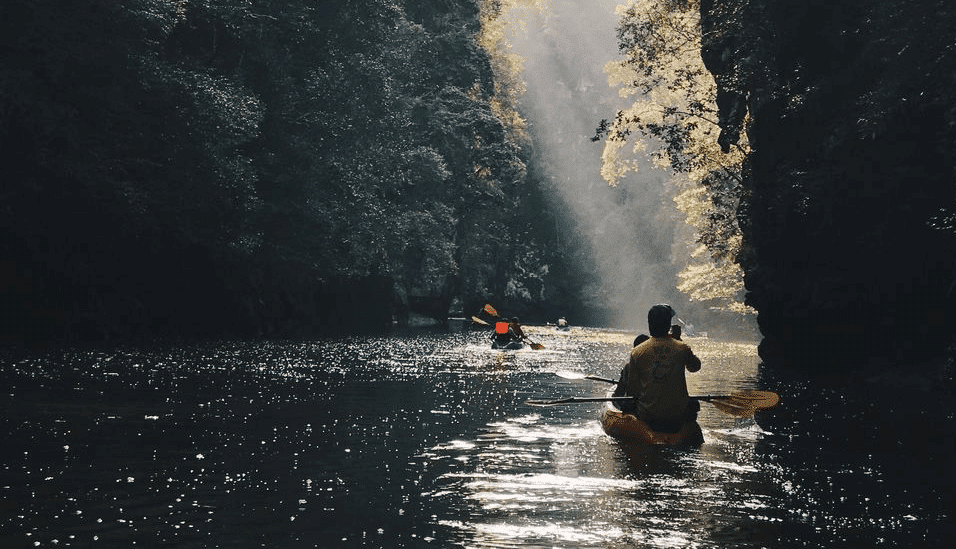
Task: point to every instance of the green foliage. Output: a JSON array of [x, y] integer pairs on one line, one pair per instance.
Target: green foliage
[[193, 147], [148, 137], [675, 117]]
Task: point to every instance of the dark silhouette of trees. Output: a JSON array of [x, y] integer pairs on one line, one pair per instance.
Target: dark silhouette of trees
[[271, 168]]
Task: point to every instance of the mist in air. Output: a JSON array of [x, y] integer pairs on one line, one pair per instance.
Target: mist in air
[[628, 231]]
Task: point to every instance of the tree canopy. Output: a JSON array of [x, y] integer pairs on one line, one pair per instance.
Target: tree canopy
[[196, 167], [674, 121]]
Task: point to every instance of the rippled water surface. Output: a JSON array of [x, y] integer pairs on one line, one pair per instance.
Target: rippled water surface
[[420, 440]]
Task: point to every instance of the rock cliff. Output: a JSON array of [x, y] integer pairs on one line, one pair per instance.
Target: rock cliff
[[847, 206]]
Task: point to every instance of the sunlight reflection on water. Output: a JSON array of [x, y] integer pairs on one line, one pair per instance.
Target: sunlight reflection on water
[[407, 441]]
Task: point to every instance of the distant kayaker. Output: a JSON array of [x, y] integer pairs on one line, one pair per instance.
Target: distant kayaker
[[654, 375], [503, 333], [507, 331], [516, 328]]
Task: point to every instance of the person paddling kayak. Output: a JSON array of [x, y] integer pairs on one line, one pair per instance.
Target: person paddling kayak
[[507, 332], [654, 375]]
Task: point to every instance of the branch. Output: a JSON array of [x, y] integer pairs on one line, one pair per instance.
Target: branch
[[730, 173], [704, 118]]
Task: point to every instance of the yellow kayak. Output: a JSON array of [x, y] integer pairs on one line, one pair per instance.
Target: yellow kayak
[[628, 428]]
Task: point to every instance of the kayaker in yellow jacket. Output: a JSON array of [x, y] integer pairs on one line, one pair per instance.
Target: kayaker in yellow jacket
[[655, 375]]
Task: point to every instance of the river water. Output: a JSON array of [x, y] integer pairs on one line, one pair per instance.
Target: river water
[[425, 440]]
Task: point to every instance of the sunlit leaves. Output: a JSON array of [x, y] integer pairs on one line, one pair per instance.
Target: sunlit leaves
[[508, 82], [673, 120], [674, 114], [710, 282]]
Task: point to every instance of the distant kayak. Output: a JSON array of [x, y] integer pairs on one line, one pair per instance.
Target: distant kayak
[[510, 346], [627, 427]]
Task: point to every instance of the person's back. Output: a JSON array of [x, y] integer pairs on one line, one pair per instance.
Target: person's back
[[656, 377], [655, 374], [516, 329], [503, 333]]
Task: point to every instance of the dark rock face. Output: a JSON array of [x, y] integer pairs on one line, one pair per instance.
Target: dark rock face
[[852, 124]]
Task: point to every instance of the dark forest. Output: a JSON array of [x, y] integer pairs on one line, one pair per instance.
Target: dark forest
[[260, 169]]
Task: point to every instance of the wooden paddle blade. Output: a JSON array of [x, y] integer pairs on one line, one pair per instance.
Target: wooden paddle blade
[[733, 408], [754, 395], [743, 404], [477, 320], [761, 400], [537, 346], [490, 310]]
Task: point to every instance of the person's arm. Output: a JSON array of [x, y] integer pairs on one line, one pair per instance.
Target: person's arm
[[693, 363], [622, 383]]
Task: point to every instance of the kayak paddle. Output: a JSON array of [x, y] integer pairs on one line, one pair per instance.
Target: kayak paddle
[[567, 374], [739, 403], [573, 400], [535, 346]]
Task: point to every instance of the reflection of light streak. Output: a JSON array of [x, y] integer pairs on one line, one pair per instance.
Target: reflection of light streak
[[498, 534], [539, 482]]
